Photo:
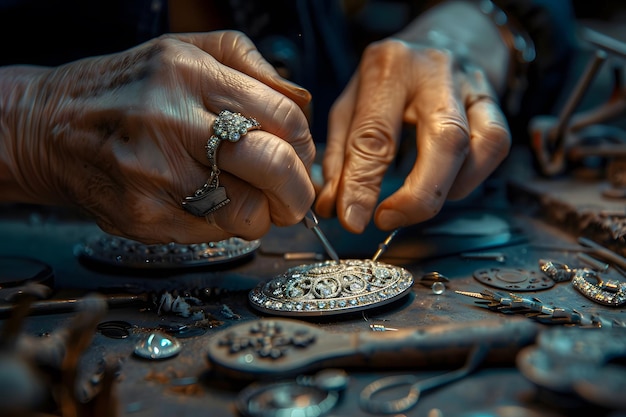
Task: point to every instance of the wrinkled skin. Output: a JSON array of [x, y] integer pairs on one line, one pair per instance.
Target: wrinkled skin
[[122, 136], [460, 141]]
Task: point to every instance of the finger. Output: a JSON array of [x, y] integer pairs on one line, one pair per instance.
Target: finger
[[269, 164], [339, 121], [272, 166], [372, 140], [443, 144], [221, 87], [236, 50], [275, 113], [490, 138], [490, 142]]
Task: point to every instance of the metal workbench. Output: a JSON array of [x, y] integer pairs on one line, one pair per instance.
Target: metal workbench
[[489, 222]]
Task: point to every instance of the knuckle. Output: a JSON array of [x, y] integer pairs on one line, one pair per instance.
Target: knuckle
[[364, 193], [385, 47], [497, 139], [454, 134], [384, 55], [295, 130], [442, 57], [374, 141], [282, 157]]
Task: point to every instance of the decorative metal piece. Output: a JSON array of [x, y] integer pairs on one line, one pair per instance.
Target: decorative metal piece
[[267, 340], [328, 288], [606, 292], [158, 346], [121, 252], [513, 279], [557, 271]]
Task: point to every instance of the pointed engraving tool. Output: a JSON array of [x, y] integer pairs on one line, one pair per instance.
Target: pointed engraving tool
[[382, 247], [311, 222]]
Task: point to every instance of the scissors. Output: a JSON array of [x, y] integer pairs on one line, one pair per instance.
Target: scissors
[[416, 386]]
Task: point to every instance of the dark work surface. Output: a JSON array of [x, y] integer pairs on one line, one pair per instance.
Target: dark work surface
[[51, 236]]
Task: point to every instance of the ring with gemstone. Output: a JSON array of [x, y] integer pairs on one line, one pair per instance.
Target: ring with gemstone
[[228, 126]]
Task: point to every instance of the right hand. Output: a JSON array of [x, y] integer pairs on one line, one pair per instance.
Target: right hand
[[122, 136]]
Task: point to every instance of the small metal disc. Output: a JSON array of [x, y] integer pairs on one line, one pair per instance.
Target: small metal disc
[[158, 345], [285, 399], [16, 271], [126, 253], [514, 279], [115, 329], [329, 288]]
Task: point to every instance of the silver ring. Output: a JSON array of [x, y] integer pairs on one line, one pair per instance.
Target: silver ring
[[228, 126]]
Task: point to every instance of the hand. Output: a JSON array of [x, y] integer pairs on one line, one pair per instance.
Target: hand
[[123, 136], [462, 135]]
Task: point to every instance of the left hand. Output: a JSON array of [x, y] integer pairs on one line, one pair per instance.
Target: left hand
[[462, 135]]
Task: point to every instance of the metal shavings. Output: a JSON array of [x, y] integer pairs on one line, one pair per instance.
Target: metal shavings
[[229, 313]]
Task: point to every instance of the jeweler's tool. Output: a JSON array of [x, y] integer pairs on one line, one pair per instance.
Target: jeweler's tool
[[311, 222], [415, 386], [535, 309], [52, 306], [382, 247], [604, 253], [267, 348]]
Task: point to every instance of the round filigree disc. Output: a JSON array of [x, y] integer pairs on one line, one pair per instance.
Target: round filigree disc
[[328, 288], [513, 279]]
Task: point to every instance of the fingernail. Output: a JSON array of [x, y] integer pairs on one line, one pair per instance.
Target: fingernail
[[356, 217], [295, 88], [390, 219]]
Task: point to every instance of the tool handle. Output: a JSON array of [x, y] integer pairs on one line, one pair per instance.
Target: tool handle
[[288, 346]]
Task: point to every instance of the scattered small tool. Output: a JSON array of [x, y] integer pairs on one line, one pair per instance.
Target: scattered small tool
[[535, 309], [416, 386]]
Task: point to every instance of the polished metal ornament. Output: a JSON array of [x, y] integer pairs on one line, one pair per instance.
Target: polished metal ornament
[[121, 252], [589, 283], [158, 345], [557, 271], [513, 279], [329, 288]]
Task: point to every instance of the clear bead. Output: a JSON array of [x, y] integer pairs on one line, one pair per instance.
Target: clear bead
[[438, 287]]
